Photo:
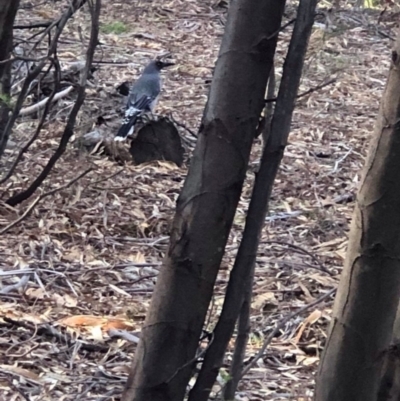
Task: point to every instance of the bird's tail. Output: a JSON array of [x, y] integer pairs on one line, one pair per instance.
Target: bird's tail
[[128, 125]]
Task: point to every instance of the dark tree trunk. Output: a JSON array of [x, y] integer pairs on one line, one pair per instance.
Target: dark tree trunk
[[8, 11], [243, 269], [389, 389], [166, 354], [368, 295]]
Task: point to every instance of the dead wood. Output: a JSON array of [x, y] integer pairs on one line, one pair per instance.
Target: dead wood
[[69, 127], [157, 140]]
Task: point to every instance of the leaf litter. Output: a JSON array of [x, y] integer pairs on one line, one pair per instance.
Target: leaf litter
[[77, 273]]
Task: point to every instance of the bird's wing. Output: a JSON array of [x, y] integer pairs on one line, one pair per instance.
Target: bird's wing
[[134, 108], [144, 92], [139, 103], [142, 99]]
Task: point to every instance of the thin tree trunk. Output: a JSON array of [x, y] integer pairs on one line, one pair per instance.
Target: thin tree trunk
[[368, 295], [243, 269], [242, 338], [8, 11], [166, 353], [389, 389]]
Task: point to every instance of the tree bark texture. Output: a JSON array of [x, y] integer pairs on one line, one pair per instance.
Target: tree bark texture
[[8, 11], [368, 295], [243, 269], [389, 389], [166, 354]]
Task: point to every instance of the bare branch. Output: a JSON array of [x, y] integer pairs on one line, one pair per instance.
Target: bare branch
[[23, 150], [59, 24], [44, 24], [279, 326], [307, 92], [21, 283], [69, 128], [37, 106], [303, 251], [28, 211]]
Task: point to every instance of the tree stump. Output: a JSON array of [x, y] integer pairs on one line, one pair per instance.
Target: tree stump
[[158, 140]]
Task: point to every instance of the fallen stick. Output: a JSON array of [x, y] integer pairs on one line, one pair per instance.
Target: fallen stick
[[37, 106]]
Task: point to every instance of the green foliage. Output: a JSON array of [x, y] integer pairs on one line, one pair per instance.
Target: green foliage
[[116, 27], [6, 99], [371, 3], [225, 376]]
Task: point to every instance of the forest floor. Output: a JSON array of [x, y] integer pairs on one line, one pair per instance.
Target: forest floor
[[89, 254]]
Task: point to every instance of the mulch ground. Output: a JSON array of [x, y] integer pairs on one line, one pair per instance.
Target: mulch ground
[[79, 270]]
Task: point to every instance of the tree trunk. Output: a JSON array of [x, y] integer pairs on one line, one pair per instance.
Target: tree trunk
[[243, 270], [8, 11], [166, 354], [390, 383], [368, 295]]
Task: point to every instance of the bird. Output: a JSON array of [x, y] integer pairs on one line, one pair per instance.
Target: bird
[[142, 97]]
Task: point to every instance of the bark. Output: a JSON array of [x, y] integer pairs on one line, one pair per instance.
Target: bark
[[243, 332], [157, 140], [243, 269], [390, 383], [166, 354], [368, 294], [8, 11]]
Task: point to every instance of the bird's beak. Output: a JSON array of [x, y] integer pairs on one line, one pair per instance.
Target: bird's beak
[[167, 64]]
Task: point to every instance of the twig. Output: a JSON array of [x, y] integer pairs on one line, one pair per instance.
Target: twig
[[21, 58], [43, 24], [21, 283], [16, 272], [60, 24], [179, 124], [37, 106], [307, 92], [23, 150], [283, 216], [69, 128], [30, 6], [124, 334], [278, 327], [39, 198], [316, 88], [108, 177], [336, 167], [302, 250]]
